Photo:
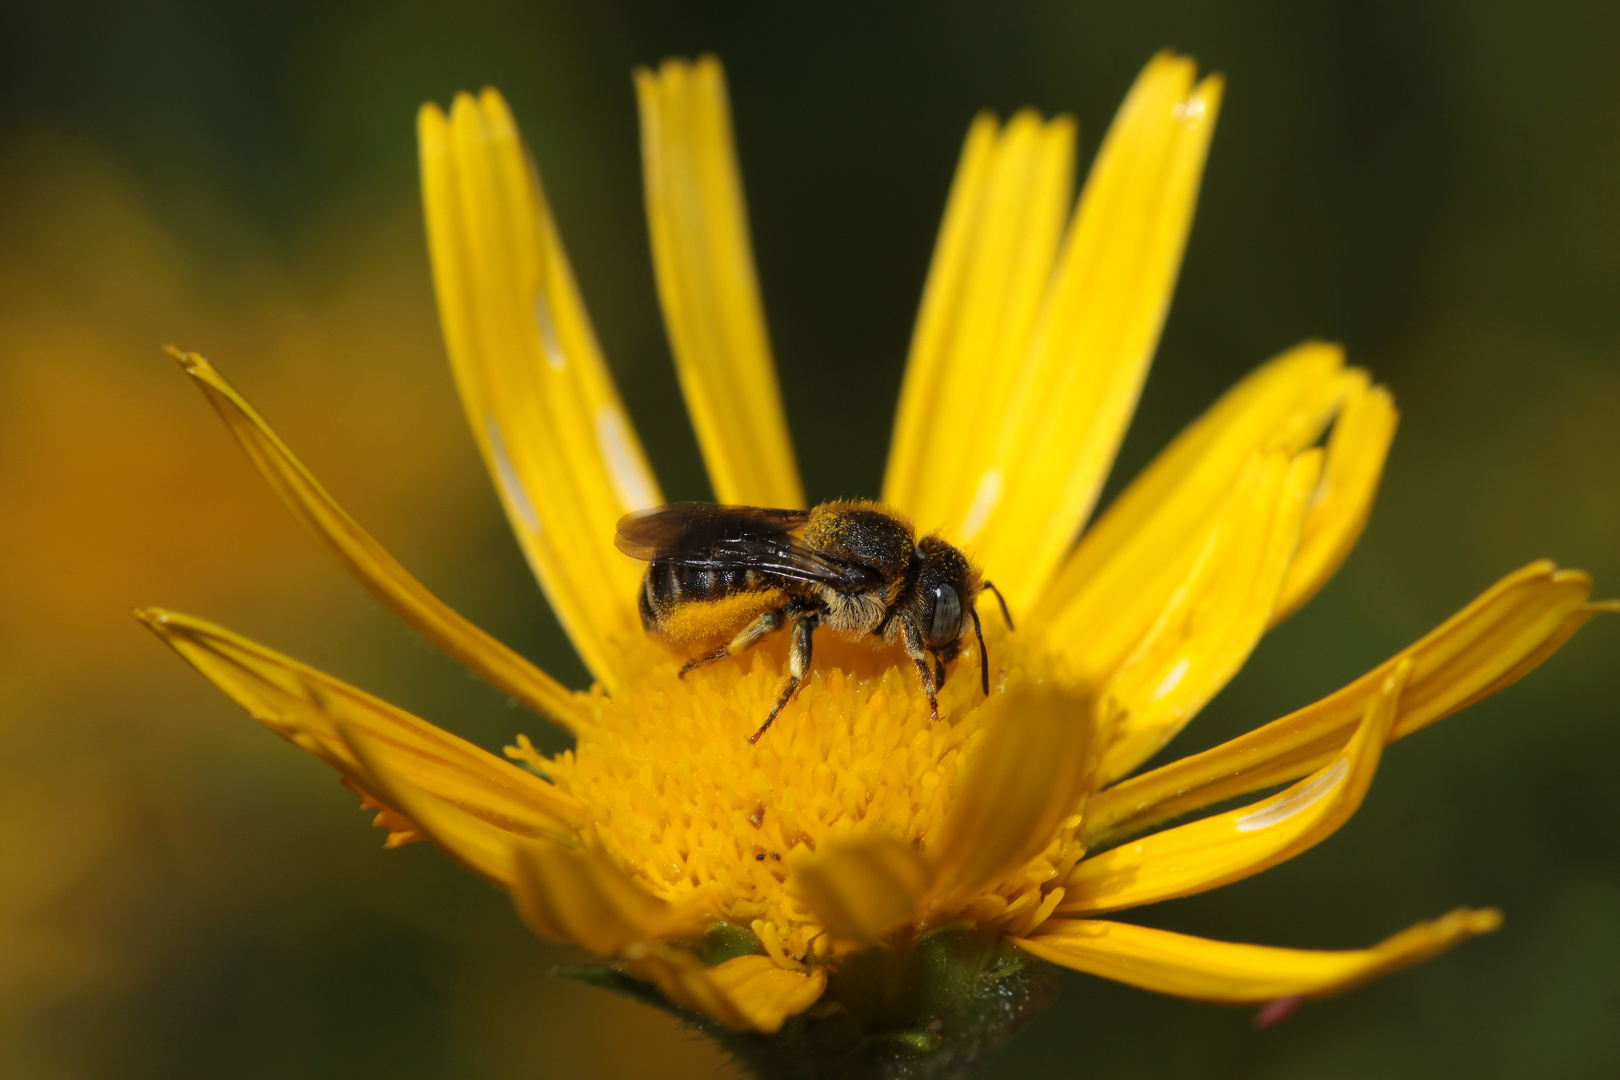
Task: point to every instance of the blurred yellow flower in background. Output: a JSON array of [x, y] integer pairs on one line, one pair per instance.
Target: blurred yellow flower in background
[[109, 817], [751, 883]]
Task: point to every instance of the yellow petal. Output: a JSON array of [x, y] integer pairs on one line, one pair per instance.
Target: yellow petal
[[443, 813], [708, 286], [306, 707], [1549, 644], [1122, 574], [1483, 648], [1228, 847], [1042, 458], [1215, 619], [1027, 775], [928, 364], [401, 829], [1207, 970], [538, 394], [861, 888], [367, 560], [1355, 461], [744, 993], [992, 266], [580, 896]]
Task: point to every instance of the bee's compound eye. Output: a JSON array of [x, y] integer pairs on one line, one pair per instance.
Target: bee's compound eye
[[946, 625]]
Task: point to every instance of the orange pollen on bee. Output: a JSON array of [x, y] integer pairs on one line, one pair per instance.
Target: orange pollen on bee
[[688, 622]]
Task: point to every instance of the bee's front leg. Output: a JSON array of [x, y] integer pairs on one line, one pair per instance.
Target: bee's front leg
[[798, 667], [912, 638]]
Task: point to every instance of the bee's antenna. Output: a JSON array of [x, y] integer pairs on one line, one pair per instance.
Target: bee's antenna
[[1005, 614], [984, 654]]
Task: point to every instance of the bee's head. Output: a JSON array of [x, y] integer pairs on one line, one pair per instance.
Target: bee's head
[[946, 597], [946, 590]]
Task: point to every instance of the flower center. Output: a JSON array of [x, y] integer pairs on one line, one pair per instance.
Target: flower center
[[681, 798]]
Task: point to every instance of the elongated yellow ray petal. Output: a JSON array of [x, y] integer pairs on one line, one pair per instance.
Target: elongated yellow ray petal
[[1044, 455], [1214, 620], [708, 286], [927, 367], [440, 815], [1027, 775], [579, 896], [1355, 460], [401, 829], [861, 888], [1228, 847], [368, 561], [1549, 644], [1207, 970], [992, 265], [306, 707], [538, 394], [1490, 643], [1121, 576], [744, 993]]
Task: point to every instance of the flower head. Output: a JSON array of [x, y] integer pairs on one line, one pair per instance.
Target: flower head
[[746, 882]]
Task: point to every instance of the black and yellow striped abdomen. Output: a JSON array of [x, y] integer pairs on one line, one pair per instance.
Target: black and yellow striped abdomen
[[687, 603]]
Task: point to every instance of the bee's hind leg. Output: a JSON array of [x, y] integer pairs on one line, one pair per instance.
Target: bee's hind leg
[[798, 667], [746, 638]]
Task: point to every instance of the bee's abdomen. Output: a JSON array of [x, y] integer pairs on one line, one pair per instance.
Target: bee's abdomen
[[671, 582], [676, 595]]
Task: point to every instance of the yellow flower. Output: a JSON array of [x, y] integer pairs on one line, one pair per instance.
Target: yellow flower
[[738, 879]]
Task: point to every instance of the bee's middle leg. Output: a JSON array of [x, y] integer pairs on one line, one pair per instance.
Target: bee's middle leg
[[746, 638], [798, 668]]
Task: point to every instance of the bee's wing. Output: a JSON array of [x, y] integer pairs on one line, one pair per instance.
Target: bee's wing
[[685, 528], [733, 537], [785, 556]]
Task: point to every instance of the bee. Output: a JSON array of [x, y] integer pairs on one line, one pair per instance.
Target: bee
[[855, 567]]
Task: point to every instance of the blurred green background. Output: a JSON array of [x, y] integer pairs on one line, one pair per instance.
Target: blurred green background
[[183, 895]]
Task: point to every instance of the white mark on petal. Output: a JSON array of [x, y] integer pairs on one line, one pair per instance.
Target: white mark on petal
[[550, 344], [517, 496], [1173, 678], [985, 500], [625, 469], [1296, 800], [1188, 112]]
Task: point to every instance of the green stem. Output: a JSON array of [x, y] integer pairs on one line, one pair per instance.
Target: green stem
[[932, 1009]]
